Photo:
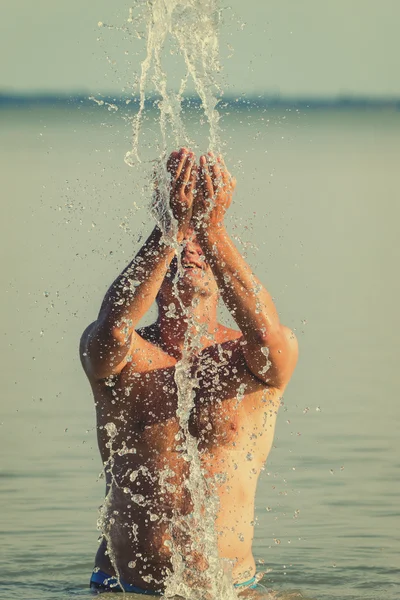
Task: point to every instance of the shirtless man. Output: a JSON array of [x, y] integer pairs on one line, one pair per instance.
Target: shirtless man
[[240, 377]]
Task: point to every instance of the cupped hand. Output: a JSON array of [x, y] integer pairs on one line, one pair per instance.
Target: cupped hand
[[183, 172], [214, 193]]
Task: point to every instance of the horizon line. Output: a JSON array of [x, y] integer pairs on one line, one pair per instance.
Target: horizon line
[[243, 100]]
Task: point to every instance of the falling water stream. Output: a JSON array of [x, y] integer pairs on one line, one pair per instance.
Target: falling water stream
[[192, 28]]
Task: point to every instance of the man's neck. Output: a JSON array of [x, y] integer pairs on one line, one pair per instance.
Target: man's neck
[[197, 323]]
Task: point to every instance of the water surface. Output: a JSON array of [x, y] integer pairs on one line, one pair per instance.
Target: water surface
[[316, 212]]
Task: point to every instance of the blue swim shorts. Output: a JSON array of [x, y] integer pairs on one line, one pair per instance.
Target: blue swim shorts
[[102, 582]]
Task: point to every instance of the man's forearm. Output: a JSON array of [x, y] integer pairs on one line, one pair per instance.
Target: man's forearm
[[247, 300], [134, 291]]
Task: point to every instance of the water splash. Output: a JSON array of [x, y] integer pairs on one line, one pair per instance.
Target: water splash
[[205, 578], [105, 520], [192, 29]]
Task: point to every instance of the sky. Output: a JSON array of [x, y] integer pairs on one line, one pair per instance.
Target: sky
[[300, 48]]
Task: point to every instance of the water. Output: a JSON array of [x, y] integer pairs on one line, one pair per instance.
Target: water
[[316, 210], [193, 28], [188, 29]]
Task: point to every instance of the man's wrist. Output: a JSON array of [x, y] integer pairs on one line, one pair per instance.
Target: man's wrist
[[160, 245], [211, 233]]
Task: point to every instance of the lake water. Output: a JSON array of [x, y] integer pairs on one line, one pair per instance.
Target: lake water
[[317, 213]]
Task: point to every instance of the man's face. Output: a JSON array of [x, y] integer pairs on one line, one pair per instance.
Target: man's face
[[197, 277]]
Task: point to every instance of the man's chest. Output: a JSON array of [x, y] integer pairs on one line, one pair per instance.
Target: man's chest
[[213, 392]]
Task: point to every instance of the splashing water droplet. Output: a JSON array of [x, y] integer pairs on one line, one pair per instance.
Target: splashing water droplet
[[154, 517], [111, 429], [192, 29]]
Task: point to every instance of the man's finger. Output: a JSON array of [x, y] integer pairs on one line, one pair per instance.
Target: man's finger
[[187, 169], [207, 183], [173, 162], [182, 160], [193, 179], [226, 176], [214, 167]]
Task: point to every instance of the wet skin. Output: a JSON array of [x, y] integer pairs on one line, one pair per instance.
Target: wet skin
[[227, 430], [132, 374]]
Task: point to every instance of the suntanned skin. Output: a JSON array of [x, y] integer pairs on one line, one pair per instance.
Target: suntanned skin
[[237, 394]]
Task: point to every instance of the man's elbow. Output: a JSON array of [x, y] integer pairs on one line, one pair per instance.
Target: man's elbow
[[291, 341], [272, 336], [281, 355]]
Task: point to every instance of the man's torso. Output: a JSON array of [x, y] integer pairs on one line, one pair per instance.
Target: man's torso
[[232, 421]]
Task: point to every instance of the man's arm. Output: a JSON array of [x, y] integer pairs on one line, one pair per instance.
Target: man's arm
[[107, 343], [271, 349]]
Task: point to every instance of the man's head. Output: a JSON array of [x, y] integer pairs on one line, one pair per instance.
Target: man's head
[[195, 279]]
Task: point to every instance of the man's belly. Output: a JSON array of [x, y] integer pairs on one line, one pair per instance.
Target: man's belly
[[150, 512]]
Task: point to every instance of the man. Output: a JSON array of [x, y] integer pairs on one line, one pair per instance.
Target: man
[[239, 378]]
